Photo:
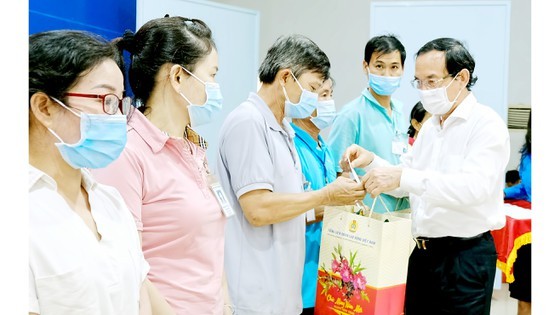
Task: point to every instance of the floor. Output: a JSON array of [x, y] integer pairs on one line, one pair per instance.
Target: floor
[[502, 303]]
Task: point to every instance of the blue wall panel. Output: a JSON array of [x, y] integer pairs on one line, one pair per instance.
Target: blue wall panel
[[108, 18]]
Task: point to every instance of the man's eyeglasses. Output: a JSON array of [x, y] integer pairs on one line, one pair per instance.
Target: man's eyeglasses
[[429, 83], [111, 102]]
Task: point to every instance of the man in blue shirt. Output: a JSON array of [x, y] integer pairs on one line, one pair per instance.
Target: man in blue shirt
[[374, 120], [319, 168]]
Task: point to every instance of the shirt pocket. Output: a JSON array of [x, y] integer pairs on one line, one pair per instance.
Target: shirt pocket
[[67, 293]]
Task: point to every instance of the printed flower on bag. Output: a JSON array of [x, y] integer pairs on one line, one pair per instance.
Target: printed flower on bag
[[351, 281]]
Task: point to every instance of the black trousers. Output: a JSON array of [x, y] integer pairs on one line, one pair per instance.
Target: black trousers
[[451, 276], [308, 311]]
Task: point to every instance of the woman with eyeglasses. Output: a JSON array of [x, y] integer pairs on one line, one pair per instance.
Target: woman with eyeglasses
[[84, 256], [163, 172]]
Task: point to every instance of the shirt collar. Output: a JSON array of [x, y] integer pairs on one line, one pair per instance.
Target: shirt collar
[[367, 94], [36, 175], [87, 180], [464, 109], [151, 134], [269, 117], [306, 137]]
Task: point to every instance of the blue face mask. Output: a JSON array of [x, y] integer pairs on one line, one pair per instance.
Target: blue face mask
[[383, 85], [203, 114], [306, 105], [326, 112], [102, 139]]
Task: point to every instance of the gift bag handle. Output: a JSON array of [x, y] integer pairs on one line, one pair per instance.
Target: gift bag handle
[[384, 206]]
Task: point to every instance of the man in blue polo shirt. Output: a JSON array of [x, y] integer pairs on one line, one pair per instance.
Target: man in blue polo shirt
[[375, 120], [319, 168]]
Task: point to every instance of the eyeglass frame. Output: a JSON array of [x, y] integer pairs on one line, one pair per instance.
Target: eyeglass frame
[[436, 82], [102, 97]]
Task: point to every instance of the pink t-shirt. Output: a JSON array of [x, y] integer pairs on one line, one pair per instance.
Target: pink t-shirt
[[163, 180]]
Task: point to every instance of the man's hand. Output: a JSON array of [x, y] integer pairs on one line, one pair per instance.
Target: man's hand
[[343, 191], [382, 179], [358, 156]]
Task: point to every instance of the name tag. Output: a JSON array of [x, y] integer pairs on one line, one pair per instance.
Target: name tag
[[398, 147], [310, 214], [220, 195]]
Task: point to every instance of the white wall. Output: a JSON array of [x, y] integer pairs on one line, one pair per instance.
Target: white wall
[[438, 19], [341, 29]]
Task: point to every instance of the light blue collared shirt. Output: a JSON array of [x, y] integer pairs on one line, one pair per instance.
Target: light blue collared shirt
[[366, 123]]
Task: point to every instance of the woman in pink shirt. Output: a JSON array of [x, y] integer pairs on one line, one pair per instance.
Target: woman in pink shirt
[[163, 173]]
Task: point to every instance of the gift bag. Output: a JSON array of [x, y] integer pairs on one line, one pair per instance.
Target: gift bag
[[363, 262]]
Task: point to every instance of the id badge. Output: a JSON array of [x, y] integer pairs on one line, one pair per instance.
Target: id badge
[[310, 214], [220, 195], [399, 146]]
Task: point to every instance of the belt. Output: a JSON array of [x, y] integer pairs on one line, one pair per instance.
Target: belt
[[427, 243]]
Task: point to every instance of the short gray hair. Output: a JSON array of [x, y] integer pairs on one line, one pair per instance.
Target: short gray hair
[[295, 52]]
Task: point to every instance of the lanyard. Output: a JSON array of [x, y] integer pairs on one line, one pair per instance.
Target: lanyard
[[321, 159]]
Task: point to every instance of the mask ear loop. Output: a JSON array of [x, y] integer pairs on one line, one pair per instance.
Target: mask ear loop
[[460, 91], [301, 88], [69, 109], [199, 80], [66, 107], [192, 74], [56, 136], [296, 80]]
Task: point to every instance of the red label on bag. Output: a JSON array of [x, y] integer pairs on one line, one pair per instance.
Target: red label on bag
[[338, 297]]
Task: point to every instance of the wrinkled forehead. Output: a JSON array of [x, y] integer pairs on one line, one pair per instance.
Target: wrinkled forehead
[[430, 65]]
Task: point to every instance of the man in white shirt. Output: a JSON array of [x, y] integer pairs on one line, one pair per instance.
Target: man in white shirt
[[454, 177]]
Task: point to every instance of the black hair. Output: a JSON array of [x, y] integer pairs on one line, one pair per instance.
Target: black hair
[[176, 40], [512, 176], [418, 112], [295, 52], [457, 57], [384, 44], [59, 58]]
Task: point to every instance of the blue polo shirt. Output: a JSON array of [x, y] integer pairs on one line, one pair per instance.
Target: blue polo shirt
[[319, 169], [365, 122]]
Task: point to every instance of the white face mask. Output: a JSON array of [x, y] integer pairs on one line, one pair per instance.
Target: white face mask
[[326, 112], [306, 105], [203, 114], [435, 101]]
